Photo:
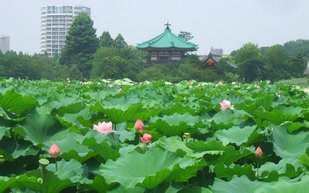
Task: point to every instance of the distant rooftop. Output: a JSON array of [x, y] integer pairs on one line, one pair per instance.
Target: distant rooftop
[[168, 40], [217, 52]]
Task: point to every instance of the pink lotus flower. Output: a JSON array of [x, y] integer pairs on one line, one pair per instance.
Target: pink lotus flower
[[139, 126], [119, 90], [225, 104], [147, 138], [258, 152], [54, 150], [104, 127]]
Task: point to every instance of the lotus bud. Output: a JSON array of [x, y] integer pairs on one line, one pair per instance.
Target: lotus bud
[[147, 138], [139, 126], [54, 150], [258, 152], [186, 135]]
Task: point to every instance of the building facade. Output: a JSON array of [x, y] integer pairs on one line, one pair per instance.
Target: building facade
[[4, 43], [55, 24]]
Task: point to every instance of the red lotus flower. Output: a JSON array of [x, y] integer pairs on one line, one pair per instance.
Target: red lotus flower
[[119, 90], [147, 138], [139, 126], [258, 152], [54, 150]]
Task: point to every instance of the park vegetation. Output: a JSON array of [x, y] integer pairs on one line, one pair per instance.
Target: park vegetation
[[87, 56]]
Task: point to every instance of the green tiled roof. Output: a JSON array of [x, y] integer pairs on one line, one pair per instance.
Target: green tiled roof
[[167, 40]]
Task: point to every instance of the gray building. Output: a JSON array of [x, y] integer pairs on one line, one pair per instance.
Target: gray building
[[55, 24], [4, 43]]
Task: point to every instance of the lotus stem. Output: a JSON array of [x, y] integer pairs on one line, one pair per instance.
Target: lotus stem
[[56, 164], [43, 177], [257, 169]]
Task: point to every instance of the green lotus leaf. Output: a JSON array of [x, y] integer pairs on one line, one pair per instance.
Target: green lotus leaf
[[228, 118], [72, 170], [285, 185], [146, 170], [98, 184], [16, 103], [55, 103], [19, 182], [4, 132], [195, 189], [120, 114], [243, 184], [70, 145], [294, 126], [24, 149], [6, 182], [76, 120], [122, 102], [121, 189], [175, 124], [281, 168], [225, 154], [281, 114], [39, 128], [235, 135], [103, 149], [289, 146], [173, 144], [304, 159], [179, 108], [237, 184], [176, 144], [71, 107], [227, 172]]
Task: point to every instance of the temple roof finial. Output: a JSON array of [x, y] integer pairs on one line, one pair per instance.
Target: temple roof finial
[[167, 24]]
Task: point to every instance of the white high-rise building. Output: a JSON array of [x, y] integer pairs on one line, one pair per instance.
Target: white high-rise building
[[55, 24], [4, 43]]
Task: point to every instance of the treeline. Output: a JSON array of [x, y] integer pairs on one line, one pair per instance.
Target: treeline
[[272, 63], [87, 56]]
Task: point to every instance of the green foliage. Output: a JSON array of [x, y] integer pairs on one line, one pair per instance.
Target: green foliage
[[106, 40], [185, 35], [81, 44], [149, 169], [276, 65], [114, 63], [217, 155], [119, 42], [251, 66]]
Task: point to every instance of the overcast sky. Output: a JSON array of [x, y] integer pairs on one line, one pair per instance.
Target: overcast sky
[[226, 24]]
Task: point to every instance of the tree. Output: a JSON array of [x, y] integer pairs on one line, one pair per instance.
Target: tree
[[185, 35], [296, 65], [81, 44], [276, 68], [107, 63], [106, 40], [115, 63], [251, 65], [119, 42]]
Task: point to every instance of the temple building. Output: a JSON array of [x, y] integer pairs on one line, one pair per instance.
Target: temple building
[[213, 57], [166, 47]]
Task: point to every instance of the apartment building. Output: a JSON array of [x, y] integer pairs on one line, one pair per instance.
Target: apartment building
[[55, 24], [4, 43]]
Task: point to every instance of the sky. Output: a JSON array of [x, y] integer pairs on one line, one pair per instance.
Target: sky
[[225, 24]]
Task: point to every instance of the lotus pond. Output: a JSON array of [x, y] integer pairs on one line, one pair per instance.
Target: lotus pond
[[121, 136]]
